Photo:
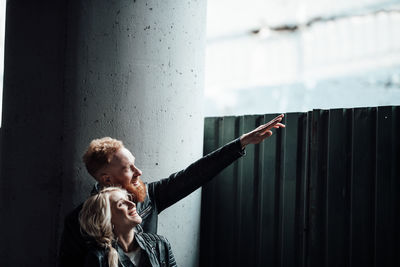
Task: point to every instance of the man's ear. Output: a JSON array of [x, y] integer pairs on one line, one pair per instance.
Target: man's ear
[[105, 179]]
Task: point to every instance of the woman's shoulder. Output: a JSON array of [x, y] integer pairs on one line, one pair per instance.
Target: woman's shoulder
[[159, 244]]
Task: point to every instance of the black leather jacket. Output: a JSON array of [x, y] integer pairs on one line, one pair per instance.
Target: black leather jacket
[[156, 252], [161, 195]]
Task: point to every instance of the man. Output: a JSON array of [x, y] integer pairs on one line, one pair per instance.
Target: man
[[111, 164]]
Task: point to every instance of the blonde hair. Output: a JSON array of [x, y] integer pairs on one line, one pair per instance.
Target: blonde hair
[[95, 221], [100, 153]]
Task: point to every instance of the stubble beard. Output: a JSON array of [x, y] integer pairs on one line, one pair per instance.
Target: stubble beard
[[138, 192]]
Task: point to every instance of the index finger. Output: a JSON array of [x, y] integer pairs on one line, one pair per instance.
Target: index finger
[[274, 121]]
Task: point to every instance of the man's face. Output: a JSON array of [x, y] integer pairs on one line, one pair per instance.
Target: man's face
[[123, 172]]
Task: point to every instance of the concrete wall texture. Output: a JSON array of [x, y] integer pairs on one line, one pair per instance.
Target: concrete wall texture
[[78, 70]]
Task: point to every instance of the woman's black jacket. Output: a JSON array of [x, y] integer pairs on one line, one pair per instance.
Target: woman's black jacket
[[156, 252]]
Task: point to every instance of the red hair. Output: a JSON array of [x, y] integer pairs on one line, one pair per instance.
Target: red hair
[[100, 153]]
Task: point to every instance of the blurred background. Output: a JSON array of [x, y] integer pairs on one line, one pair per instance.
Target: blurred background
[[298, 55], [295, 55]]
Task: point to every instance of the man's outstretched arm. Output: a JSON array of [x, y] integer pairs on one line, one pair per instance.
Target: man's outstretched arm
[[168, 191]]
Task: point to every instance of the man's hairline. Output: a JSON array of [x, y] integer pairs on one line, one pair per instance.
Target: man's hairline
[[98, 172]]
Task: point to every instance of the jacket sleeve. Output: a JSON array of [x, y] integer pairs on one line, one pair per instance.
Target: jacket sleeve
[[72, 247], [165, 250], [94, 259], [171, 259], [167, 192]]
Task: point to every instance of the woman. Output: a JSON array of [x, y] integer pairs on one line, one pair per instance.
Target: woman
[[110, 219]]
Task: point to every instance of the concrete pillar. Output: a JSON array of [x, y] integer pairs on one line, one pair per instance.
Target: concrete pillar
[[31, 147], [128, 69]]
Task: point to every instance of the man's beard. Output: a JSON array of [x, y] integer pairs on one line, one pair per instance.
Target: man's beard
[[138, 192]]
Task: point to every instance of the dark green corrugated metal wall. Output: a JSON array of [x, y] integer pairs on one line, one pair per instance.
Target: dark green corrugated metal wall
[[324, 191]]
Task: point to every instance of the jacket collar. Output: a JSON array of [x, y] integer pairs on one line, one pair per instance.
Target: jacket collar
[[96, 189], [123, 258]]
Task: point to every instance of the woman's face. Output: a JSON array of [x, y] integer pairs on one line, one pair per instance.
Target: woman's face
[[123, 211]]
